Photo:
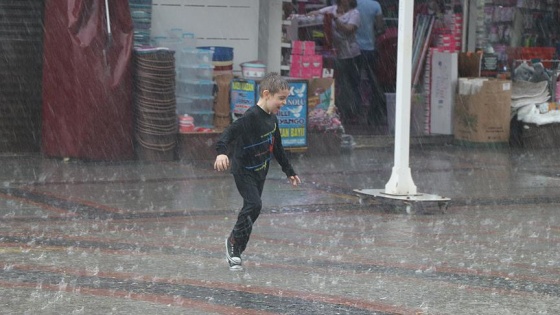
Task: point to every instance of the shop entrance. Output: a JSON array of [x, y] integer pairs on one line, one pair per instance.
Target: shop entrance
[[21, 49]]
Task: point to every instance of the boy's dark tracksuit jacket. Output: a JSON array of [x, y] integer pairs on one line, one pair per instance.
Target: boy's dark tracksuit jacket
[[257, 139]]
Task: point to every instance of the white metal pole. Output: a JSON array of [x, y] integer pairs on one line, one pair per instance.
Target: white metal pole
[[401, 182], [466, 15]]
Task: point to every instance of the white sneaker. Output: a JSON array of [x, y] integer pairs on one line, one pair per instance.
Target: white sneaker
[[232, 256]]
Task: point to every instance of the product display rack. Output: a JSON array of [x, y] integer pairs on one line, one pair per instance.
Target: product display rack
[[297, 26], [518, 23], [293, 30]]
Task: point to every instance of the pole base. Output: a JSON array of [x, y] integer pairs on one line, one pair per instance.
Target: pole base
[[411, 204]]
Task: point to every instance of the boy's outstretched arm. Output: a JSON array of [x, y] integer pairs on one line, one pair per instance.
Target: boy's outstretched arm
[[221, 163]]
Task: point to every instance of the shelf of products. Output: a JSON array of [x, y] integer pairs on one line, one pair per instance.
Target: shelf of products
[[296, 26], [519, 23], [500, 26], [518, 29]]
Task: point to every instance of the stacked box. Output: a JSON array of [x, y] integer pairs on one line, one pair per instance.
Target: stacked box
[[484, 115], [304, 62], [442, 92], [448, 36], [195, 85], [303, 47]]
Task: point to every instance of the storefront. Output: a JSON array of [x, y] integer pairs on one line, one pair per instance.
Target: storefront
[[20, 75], [510, 33]]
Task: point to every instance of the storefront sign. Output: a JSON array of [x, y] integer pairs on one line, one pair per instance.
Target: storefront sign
[[243, 95], [292, 118]]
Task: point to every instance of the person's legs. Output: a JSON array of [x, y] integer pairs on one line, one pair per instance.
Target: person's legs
[[250, 190], [347, 99], [377, 113], [339, 96], [366, 64], [354, 77]]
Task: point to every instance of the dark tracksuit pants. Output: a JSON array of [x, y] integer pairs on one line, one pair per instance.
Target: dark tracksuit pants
[[377, 114], [347, 92], [250, 188]]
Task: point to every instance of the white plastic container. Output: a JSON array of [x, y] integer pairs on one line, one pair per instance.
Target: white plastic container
[[195, 103], [196, 72], [184, 105], [190, 56], [192, 88], [253, 70], [203, 118]]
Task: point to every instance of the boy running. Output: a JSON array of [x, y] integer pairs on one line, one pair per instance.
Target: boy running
[[257, 138]]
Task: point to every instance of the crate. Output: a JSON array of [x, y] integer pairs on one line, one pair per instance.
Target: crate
[[189, 104], [191, 88], [189, 56], [196, 72], [203, 118]]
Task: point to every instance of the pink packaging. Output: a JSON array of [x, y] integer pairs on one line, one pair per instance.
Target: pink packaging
[[297, 59], [297, 47], [317, 62], [307, 73], [317, 72], [306, 61], [295, 70], [303, 47]]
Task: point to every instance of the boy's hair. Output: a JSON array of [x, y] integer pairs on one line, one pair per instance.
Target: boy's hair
[[274, 83]]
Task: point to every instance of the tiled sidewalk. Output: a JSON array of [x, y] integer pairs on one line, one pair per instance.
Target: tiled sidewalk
[[147, 238]]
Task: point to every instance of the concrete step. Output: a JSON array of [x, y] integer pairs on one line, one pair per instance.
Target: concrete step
[[381, 141]]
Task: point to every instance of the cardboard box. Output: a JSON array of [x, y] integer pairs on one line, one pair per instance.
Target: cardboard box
[[306, 66], [469, 64], [303, 47], [484, 117], [442, 93], [321, 93]]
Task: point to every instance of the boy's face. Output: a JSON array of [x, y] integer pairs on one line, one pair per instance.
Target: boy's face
[[273, 102]]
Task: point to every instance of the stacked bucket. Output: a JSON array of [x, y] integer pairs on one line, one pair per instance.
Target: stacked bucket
[[155, 107]]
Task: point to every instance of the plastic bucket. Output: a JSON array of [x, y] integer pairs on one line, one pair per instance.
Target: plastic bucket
[[253, 70]]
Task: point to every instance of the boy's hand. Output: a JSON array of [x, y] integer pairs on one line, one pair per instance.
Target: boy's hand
[[294, 180], [222, 163]]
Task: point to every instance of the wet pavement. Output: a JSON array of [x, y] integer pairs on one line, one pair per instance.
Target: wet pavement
[[132, 237]]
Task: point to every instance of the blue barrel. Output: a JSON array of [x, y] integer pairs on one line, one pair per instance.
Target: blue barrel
[[220, 53]]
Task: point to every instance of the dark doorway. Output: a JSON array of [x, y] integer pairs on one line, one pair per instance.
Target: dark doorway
[[21, 50]]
